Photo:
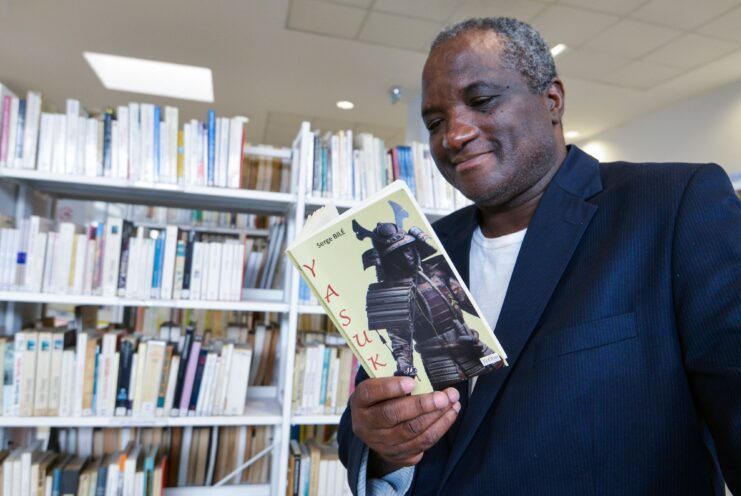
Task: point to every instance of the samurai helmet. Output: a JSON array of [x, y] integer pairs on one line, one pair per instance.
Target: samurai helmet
[[388, 237]]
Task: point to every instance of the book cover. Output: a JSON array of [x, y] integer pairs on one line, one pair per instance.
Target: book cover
[[384, 279]]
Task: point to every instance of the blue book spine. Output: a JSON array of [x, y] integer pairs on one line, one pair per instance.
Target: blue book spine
[[198, 379], [56, 482], [95, 381], [211, 146], [157, 269], [156, 142], [21, 128], [325, 377]]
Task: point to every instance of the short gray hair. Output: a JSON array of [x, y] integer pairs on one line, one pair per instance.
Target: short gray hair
[[525, 50]]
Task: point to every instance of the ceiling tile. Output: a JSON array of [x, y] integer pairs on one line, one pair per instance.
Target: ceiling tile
[[588, 64], [519, 9], [325, 18], [642, 75], [570, 25], [621, 7], [691, 50], [726, 26], [632, 38], [400, 32], [364, 4], [434, 10], [683, 14]]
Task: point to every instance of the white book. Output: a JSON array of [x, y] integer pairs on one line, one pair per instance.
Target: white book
[[196, 270], [163, 151], [226, 365], [28, 374], [81, 145], [168, 265], [237, 381], [38, 228], [145, 280], [87, 285], [79, 378], [136, 264], [19, 345], [92, 161], [171, 384], [152, 372], [133, 378], [226, 268], [217, 151], [129, 473], [12, 132], [147, 142], [224, 156], [234, 168], [63, 258], [138, 387], [4, 91], [51, 242], [78, 278], [46, 142], [72, 115], [112, 255], [12, 257], [55, 372], [171, 120], [134, 142], [214, 270], [185, 456], [123, 142], [43, 374]]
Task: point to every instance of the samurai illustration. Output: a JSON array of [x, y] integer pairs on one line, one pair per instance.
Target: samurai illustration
[[420, 303]]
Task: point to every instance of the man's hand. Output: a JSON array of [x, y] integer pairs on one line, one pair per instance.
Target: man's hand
[[396, 427]]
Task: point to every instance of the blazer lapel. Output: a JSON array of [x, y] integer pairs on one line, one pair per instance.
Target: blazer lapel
[[553, 234]]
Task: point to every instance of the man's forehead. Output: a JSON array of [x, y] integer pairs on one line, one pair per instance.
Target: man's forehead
[[475, 51]]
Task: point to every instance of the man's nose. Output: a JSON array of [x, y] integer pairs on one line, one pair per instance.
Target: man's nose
[[458, 133]]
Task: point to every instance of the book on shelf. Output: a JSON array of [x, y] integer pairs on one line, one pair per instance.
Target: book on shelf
[[133, 461], [348, 166], [58, 372], [315, 469], [386, 282], [120, 258]]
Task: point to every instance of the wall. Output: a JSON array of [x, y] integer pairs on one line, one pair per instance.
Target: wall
[[705, 129]]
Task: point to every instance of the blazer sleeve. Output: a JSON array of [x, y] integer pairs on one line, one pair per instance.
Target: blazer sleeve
[[707, 301], [351, 448]]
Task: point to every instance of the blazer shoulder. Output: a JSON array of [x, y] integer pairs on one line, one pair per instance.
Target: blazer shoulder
[[454, 220]]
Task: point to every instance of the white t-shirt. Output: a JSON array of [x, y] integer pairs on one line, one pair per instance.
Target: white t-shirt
[[491, 263]]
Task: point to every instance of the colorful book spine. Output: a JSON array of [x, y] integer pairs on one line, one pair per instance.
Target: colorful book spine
[[211, 146], [156, 144], [18, 146], [107, 134], [5, 130]]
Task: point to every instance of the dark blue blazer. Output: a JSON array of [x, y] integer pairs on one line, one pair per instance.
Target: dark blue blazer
[[622, 323]]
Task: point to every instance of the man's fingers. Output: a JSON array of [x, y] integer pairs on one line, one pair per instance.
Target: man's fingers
[[393, 412], [425, 440], [372, 391]]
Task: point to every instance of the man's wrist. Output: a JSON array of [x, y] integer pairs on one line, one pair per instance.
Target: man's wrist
[[378, 467]]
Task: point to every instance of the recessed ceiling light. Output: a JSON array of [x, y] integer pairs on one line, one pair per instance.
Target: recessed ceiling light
[[151, 77], [345, 105], [571, 134], [558, 49]]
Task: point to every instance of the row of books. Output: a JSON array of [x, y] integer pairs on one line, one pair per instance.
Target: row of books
[[315, 470], [305, 295], [346, 167], [138, 142], [87, 462], [324, 374], [116, 258], [59, 372], [190, 218]]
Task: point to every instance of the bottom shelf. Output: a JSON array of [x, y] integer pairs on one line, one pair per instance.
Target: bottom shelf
[[239, 490]]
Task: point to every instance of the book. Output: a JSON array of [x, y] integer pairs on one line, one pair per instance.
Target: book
[[384, 279]]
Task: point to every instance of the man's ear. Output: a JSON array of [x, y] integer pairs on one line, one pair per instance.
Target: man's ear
[[555, 97]]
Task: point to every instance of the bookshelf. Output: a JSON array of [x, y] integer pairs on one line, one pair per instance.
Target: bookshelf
[[269, 406]]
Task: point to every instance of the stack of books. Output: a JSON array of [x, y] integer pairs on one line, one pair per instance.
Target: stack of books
[[117, 258], [350, 167], [315, 470], [134, 461], [58, 372]]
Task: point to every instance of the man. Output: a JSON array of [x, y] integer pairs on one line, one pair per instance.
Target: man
[[419, 302], [622, 317]]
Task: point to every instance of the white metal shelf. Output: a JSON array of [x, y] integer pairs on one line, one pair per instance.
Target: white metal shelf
[[311, 309], [169, 195], [315, 419], [267, 304], [257, 412], [237, 490]]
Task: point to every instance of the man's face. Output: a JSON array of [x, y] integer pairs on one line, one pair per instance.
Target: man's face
[[490, 135]]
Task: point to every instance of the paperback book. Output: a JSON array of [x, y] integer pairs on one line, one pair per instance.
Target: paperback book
[[384, 279]]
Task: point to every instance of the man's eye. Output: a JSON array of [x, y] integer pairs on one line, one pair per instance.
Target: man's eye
[[481, 100], [432, 125]]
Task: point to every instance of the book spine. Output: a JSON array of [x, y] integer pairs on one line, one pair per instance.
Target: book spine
[[5, 129], [188, 264], [18, 146], [107, 131], [189, 377], [211, 147], [124, 376], [156, 142], [197, 381], [184, 360], [127, 236]]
